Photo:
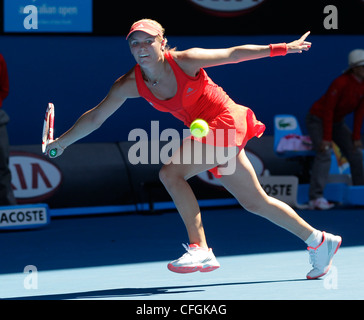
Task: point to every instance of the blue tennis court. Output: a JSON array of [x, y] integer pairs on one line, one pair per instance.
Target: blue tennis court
[[124, 257]]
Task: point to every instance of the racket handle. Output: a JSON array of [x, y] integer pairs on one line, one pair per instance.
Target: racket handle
[[52, 153]]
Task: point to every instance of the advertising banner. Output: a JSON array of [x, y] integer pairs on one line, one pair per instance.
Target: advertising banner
[[48, 16], [24, 217]]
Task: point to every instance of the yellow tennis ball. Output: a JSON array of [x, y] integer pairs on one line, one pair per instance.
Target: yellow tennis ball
[[199, 128]]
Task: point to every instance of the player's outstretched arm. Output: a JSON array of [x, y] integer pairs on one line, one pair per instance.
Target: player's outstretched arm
[[92, 119], [194, 59]]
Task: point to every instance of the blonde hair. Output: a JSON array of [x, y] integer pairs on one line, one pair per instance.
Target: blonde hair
[[159, 26]]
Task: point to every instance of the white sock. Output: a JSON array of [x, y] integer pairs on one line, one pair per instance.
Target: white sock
[[314, 239]]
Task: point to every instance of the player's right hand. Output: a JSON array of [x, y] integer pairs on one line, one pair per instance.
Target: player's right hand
[[54, 145]]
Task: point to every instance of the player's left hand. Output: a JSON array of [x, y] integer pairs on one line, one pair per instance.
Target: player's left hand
[[299, 45]]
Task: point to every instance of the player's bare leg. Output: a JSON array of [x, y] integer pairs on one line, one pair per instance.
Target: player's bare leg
[[174, 176], [245, 187], [192, 158]]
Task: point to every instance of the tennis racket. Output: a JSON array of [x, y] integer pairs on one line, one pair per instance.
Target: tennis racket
[[48, 130]]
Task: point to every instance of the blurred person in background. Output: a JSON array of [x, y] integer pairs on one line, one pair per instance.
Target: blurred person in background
[[6, 191], [326, 124]]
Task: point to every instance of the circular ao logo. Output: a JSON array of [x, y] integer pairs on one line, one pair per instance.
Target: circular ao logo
[[227, 7]]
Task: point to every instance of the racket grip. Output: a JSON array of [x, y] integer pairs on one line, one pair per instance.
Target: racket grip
[[52, 153]]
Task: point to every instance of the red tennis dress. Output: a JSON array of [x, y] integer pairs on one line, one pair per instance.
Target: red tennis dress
[[200, 98]]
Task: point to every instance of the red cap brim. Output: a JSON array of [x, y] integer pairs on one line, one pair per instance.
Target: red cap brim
[[145, 27]]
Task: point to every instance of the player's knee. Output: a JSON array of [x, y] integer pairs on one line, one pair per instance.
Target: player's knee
[[170, 176], [166, 175], [256, 204], [252, 206], [163, 175]]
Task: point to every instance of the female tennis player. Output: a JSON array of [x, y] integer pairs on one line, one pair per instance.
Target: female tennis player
[[176, 82]]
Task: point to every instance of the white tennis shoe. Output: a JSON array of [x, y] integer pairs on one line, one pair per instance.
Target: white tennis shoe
[[320, 204], [195, 259], [321, 256]]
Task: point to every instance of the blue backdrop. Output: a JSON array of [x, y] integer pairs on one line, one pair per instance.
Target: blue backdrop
[[76, 72]]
